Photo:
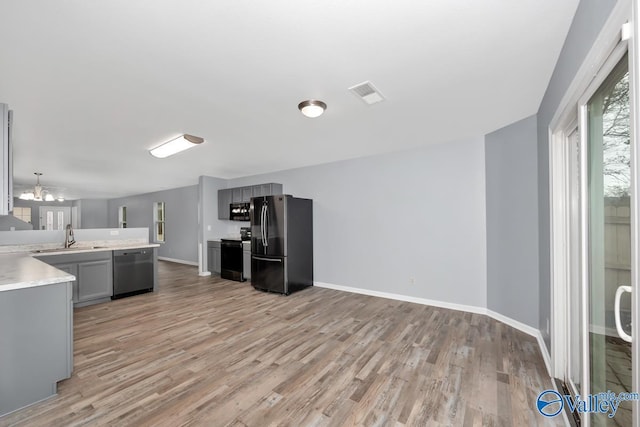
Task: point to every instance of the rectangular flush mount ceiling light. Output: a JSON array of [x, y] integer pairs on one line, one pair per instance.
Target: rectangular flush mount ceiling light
[[177, 145]]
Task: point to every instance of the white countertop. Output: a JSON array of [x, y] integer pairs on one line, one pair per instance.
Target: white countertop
[[19, 271], [81, 249]]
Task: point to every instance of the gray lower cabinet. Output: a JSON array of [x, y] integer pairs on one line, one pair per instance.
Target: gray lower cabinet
[[36, 343], [244, 194], [94, 275], [70, 268], [246, 264], [95, 280], [213, 256]]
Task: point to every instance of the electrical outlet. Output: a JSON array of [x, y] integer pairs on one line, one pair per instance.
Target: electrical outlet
[[208, 228], [412, 280], [114, 232]]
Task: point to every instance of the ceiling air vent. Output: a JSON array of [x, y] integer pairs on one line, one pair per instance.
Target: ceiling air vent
[[367, 92]]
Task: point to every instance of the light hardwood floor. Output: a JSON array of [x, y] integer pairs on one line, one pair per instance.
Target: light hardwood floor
[[209, 352]]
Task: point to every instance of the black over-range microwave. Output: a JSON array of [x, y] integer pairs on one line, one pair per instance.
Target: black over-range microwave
[[239, 211]]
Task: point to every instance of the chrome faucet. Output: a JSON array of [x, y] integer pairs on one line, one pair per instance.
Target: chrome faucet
[[68, 239]]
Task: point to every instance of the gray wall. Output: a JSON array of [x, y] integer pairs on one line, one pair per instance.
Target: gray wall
[[512, 221], [381, 220], [93, 213], [181, 222], [35, 208], [7, 222], [587, 23]]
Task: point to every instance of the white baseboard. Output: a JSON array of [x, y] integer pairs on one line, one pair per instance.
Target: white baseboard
[[179, 261], [399, 297], [529, 330], [546, 356], [204, 273]]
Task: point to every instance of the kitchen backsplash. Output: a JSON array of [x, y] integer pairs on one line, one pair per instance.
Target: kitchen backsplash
[[29, 237]]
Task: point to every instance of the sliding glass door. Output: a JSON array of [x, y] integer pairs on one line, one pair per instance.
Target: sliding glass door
[[607, 264]]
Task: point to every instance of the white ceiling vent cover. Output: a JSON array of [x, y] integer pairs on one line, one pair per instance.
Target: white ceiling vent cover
[[367, 92]]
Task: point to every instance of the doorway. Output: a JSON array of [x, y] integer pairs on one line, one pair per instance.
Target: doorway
[[606, 179], [54, 217], [594, 239]]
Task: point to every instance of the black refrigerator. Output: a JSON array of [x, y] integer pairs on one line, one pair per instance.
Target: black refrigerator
[[281, 243]]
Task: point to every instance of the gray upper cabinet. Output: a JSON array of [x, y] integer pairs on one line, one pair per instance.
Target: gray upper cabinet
[[247, 194], [262, 190], [243, 194], [267, 189], [224, 200], [236, 195]]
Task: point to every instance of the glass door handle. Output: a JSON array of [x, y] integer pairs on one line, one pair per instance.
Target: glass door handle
[[616, 310]]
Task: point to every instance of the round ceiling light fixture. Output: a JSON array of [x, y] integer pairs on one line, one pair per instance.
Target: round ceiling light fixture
[[312, 108]]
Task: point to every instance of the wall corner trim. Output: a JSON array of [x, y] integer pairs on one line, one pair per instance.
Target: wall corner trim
[[529, 330]]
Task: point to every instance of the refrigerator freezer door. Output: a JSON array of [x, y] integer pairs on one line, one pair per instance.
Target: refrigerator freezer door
[[268, 274]]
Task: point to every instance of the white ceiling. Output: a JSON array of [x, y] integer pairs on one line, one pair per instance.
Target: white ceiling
[[95, 84]]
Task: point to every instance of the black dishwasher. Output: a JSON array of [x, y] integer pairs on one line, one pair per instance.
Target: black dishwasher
[[132, 272]]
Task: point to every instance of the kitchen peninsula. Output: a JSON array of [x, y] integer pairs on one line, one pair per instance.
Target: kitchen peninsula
[[36, 330], [37, 295]]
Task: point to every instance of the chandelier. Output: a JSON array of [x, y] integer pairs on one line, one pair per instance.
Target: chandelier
[[38, 194]]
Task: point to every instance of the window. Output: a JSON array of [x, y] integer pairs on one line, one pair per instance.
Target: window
[[158, 214], [23, 214], [122, 217]]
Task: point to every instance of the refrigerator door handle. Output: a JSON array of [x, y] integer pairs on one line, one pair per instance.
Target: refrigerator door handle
[[266, 225], [261, 223], [263, 228], [267, 259]]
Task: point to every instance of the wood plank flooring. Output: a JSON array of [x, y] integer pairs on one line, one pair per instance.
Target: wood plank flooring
[[209, 352]]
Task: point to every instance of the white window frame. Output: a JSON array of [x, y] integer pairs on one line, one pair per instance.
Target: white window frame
[[22, 215], [159, 222], [122, 217]]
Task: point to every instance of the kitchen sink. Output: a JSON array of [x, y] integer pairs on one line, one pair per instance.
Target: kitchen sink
[[44, 251], [73, 248]]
